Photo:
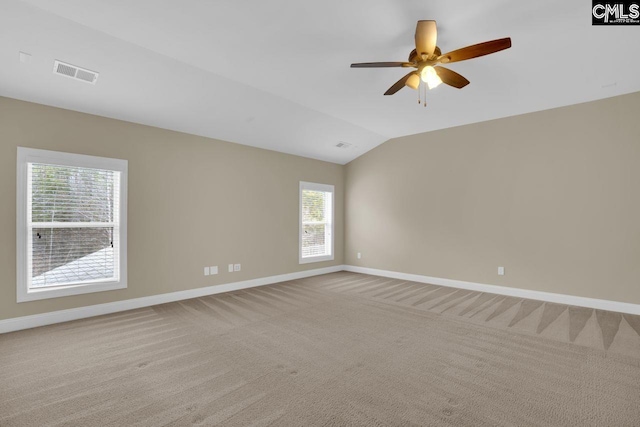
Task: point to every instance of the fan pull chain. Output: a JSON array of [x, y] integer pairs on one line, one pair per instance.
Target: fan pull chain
[[425, 95], [419, 85]]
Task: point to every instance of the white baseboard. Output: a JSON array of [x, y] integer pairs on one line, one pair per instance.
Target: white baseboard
[[26, 322], [600, 304]]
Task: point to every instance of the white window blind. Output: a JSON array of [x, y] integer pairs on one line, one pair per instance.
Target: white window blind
[[316, 222], [72, 236], [74, 224]]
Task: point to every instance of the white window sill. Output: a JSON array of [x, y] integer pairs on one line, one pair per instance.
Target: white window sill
[[309, 260], [64, 291]]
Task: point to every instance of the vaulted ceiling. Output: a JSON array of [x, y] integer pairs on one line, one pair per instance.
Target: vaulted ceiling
[[275, 74]]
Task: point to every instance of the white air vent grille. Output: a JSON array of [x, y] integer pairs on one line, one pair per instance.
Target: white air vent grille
[[87, 77], [66, 70], [74, 72]]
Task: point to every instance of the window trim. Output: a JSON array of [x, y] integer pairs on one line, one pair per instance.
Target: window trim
[[32, 155], [316, 187]]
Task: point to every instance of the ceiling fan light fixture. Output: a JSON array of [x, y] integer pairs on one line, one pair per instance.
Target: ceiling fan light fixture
[[426, 58], [413, 81], [430, 77]]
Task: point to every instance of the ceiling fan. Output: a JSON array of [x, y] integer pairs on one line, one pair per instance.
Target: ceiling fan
[[425, 57]]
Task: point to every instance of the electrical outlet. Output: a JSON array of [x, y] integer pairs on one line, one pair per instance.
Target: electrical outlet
[[359, 255], [213, 270], [230, 268], [500, 271], [236, 267], [206, 271]]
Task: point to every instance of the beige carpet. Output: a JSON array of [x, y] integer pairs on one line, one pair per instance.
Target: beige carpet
[[338, 349]]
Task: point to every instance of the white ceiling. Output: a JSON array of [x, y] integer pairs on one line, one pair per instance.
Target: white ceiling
[[275, 74]]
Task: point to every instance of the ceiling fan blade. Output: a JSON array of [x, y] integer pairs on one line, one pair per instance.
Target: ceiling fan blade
[[451, 77], [426, 37], [476, 50], [381, 64], [399, 84]]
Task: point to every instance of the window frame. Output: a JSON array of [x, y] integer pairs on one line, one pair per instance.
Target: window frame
[[32, 155], [327, 188]]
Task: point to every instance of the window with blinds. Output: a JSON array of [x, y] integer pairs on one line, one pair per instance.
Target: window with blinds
[[316, 222], [72, 234]]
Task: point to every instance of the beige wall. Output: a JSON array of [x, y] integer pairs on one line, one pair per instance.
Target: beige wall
[[193, 202], [552, 196]]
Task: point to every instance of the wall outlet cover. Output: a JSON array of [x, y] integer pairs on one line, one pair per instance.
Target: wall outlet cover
[[230, 268], [213, 270], [236, 267], [500, 271], [206, 271]]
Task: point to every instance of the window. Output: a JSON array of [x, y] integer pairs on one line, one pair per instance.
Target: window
[[316, 222], [71, 224]]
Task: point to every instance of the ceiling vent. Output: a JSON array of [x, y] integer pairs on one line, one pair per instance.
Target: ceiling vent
[[342, 144], [73, 72]]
